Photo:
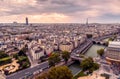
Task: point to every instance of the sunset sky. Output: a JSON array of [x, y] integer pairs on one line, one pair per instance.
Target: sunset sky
[[60, 11]]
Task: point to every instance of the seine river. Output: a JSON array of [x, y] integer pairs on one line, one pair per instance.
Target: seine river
[[91, 52]]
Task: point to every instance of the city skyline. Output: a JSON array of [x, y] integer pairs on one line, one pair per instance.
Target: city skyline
[[60, 11]]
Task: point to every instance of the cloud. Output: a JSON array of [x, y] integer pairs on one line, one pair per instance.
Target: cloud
[[71, 10], [50, 18], [43, 18]]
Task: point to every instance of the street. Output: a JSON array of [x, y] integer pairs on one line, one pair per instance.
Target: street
[[23, 73]]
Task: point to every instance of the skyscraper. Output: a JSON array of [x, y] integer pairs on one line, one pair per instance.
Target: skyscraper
[[26, 21], [87, 22]]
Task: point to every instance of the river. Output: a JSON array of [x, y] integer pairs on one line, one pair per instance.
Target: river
[[75, 67], [91, 52]]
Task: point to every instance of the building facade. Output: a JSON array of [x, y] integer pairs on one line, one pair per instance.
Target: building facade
[[37, 53], [112, 53], [66, 46]]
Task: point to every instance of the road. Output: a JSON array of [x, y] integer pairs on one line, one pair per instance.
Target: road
[[28, 71], [103, 37], [21, 74], [80, 49]]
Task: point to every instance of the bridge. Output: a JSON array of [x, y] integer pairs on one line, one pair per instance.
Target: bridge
[[99, 40], [82, 48]]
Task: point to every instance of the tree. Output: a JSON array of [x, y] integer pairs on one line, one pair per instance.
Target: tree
[[60, 72], [65, 55], [89, 35], [29, 39], [5, 60], [15, 48], [3, 54], [25, 65], [23, 61], [53, 59], [111, 39], [15, 56], [100, 52], [22, 52], [88, 64], [43, 76], [107, 43]]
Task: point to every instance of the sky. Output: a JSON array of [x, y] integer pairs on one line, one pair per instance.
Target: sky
[[60, 11]]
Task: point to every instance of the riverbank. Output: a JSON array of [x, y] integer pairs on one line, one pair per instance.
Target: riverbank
[[91, 52]]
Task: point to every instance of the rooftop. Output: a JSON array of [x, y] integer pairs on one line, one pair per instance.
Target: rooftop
[[114, 44], [38, 50]]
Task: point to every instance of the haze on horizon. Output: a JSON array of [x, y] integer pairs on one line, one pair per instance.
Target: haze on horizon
[[60, 11]]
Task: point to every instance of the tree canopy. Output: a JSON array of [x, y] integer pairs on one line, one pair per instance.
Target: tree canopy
[[65, 55], [89, 35], [54, 59], [60, 72], [3, 54], [100, 52], [88, 64], [22, 52]]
